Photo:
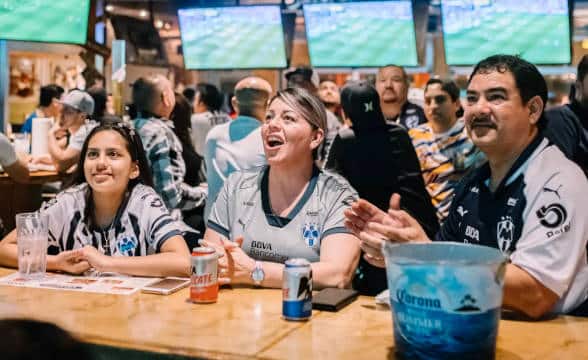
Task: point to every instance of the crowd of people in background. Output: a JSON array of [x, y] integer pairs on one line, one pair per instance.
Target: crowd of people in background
[[323, 173]]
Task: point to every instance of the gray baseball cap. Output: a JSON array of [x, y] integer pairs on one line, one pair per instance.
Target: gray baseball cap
[[79, 100]]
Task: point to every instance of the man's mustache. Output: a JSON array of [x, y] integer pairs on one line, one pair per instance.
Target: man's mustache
[[482, 121]]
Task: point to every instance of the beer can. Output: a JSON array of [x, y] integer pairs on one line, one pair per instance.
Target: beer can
[[204, 284], [297, 290]]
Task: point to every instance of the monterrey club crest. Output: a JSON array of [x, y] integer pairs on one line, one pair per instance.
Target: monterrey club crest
[[505, 233], [311, 234]]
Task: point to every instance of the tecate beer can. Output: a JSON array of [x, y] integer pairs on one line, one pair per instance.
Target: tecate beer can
[[297, 290], [204, 285]]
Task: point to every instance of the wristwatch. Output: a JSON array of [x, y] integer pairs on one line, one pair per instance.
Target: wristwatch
[[257, 275]]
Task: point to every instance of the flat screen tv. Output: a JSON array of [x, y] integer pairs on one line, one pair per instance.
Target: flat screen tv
[[242, 37], [56, 21], [362, 34], [536, 30]]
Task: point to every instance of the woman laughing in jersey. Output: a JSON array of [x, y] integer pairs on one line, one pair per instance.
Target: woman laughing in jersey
[[287, 209], [110, 220]]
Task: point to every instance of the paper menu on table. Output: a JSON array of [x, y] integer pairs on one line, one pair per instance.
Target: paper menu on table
[[118, 285]]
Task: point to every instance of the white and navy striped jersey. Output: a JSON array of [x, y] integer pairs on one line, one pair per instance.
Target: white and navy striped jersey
[[537, 216], [141, 227], [243, 208]]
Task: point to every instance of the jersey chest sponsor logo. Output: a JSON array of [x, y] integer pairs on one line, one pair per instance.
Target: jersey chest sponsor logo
[[505, 233], [310, 234], [261, 245], [472, 233]]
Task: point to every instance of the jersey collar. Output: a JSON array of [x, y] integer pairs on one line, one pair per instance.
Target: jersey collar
[[519, 166], [274, 219]]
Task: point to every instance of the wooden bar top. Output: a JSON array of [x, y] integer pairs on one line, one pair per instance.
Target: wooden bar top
[[247, 323], [35, 177]]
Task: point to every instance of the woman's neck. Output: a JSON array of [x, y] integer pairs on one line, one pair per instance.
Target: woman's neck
[[106, 207], [287, 184]]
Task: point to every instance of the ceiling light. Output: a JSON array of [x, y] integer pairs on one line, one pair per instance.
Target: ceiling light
[[143, 13], [109, 8], [158, 24]]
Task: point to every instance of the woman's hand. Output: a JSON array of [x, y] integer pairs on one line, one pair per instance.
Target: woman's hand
[[234, 265], [240, 264], [96, 259], [71, 261]]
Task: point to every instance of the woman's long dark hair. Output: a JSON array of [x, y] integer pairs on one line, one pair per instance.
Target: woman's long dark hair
[[134, 146], [180, 116]]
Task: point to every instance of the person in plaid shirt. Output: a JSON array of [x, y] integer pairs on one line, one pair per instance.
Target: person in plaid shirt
[[154, 99]]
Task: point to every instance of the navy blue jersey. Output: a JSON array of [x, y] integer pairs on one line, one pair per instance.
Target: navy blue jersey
[[536, 215]]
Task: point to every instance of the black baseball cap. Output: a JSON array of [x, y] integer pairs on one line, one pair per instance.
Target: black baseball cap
[[304, 73], [361, 103]]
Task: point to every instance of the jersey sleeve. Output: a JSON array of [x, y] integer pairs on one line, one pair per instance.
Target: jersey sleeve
[[159, 224], [342, 195], [219, 219], [553, 239]]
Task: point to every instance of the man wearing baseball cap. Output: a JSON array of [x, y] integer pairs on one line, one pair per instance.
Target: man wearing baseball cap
[[378, 160], [78, 105]]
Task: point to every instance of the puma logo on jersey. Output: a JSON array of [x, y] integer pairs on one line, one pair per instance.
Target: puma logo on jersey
[[461, 211], [555, 191]]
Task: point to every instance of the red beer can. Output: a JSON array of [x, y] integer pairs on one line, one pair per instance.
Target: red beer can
[[204, 285]]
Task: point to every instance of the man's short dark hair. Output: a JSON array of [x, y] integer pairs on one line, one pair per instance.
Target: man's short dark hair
[[210, 96], [404, 74], [48, 93], [251, 100], [527, 77], [582, 68], [146, 94], [449, 86]]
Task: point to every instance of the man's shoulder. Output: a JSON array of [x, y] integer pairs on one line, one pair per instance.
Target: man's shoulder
[[551, 161]]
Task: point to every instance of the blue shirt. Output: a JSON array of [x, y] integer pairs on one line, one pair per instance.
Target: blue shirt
[[231, 146]]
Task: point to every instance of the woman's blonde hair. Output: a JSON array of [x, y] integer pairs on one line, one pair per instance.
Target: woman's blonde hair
[[305, 104]]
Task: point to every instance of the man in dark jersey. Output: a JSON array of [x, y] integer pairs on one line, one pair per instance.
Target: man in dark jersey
[[392, 85], [526, 201]]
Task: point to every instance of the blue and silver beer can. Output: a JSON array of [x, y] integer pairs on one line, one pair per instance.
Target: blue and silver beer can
[[297, 290]]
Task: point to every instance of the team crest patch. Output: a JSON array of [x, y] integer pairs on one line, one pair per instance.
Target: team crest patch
[[126, 244], [311, 234], [505, 233]]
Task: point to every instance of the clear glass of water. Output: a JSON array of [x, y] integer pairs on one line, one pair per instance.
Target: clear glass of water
[[31, 239], [22, 143]]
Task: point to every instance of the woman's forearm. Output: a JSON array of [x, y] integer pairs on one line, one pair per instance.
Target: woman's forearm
[[324, 275], [162, 264]]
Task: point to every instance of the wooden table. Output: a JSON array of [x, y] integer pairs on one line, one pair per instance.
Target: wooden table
[[16, 198], [246, 323]]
